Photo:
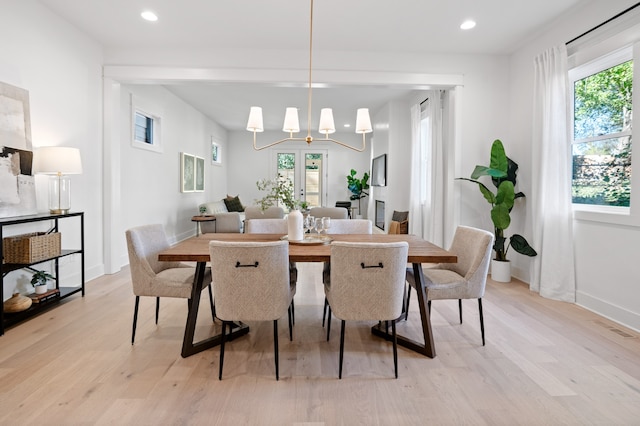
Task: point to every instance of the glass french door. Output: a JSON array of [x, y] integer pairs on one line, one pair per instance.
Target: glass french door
[[307, 169]]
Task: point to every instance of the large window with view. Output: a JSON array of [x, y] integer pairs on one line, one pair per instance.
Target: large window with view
[[602, 93]]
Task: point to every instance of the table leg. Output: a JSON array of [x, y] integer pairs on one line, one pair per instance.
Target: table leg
[[188, 346], [428, 348]]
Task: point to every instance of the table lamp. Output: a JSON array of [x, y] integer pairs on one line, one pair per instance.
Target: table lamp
[[59, 162]]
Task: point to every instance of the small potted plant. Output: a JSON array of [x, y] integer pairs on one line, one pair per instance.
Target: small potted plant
[[502, 171], [358, 187], [279, 190], [39, 281]]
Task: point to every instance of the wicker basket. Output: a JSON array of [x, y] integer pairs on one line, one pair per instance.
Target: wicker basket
[[30, 248]]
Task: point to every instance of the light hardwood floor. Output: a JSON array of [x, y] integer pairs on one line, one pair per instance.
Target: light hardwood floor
[[545, 363]]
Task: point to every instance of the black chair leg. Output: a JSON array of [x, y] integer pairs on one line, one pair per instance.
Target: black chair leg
[[290, 326], [293, 312], [157, 309], [460, 309], [429, 307], [406, 317], [395, 347], [481, 319], [213, 307], [224, 326], [341, 348], [328, 323], [135, 319], [324, 311], [275, 347]]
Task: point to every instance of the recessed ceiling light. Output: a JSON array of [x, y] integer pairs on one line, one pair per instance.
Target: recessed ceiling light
[[347, 125], [468, 24], [148, 15]]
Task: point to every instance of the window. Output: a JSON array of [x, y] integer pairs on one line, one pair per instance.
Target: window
[[602, 112], [145, 127]]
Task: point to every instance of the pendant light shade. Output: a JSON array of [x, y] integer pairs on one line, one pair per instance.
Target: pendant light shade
[[326, 122], [254, 124], [291, 122], [363, 121]]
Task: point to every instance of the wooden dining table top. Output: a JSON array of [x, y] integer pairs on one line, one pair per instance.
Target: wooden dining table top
[[196, 249]]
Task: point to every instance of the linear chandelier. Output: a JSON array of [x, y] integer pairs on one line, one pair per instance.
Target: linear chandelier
[[292, 124]]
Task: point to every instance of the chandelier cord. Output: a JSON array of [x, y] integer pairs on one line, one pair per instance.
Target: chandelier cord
[[310, 68]]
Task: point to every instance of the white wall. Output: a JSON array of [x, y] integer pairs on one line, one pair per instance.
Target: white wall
[[61, 69], [150, 181], [606, 267]]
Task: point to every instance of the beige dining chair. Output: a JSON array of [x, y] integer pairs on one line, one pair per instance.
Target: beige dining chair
[[251, 283], [332, 212], [343, 226], [274, 226], [150, 277], [465, 279], [367, 284]]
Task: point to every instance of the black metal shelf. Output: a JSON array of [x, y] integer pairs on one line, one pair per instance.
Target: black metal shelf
[[9, 319]]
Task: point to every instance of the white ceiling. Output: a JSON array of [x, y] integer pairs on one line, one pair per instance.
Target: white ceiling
[[410, 26]]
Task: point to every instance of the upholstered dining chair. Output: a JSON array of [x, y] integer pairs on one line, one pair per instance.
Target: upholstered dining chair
[[343, 226], [332, 212], [150, 277], [367, 283], [251, 283], [465, 279], [274, 226]]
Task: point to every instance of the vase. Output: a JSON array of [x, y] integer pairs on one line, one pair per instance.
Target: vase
[[294, 226], [501, 270], [41, 289], [17, 303]]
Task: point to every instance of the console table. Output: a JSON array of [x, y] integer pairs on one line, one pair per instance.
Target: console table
[[8, 319]]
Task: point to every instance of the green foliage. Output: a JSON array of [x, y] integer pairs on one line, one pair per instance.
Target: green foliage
[[279, 189], [502, 171], [41, 278], [358, 187]]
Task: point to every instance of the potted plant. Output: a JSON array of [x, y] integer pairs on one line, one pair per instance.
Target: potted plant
[[358, 187], [39, 281], [279, 189], [502, 171]]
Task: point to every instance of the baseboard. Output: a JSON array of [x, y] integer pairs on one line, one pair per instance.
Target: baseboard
[[608, 310]]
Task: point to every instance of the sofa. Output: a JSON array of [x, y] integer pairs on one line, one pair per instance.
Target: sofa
[[226, 221]]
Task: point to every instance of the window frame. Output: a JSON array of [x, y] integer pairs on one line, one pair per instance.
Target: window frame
[[609, 214], [156, 136]]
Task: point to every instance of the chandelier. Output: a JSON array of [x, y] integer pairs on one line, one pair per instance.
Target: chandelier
[[292, 124]]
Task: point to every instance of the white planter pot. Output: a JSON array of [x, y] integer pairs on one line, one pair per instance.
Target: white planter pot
[[41, 289], [501, 270]]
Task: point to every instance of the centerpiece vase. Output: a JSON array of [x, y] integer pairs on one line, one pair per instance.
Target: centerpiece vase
[[294, 226]]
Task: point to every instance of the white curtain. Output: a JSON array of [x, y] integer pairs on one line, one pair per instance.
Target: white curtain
[[427, 207], [553, 273]]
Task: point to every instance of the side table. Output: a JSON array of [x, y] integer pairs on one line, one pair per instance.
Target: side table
[[199, 219]]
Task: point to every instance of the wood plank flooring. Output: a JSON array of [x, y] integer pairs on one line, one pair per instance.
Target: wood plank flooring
[[545, 363]]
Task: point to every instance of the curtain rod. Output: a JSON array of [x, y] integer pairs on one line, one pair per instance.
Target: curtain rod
[[603, 23]]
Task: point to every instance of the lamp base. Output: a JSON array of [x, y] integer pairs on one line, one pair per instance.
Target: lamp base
[[58, 211]]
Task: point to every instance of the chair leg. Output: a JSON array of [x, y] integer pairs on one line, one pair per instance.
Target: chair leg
[[328, 323], [157, 309], [406, 317], [429, 307], [290, 327], [460, 309], [481, 319], [341, 349], [275, 347], [293, 312], [213, 306], [135, 319], [224, 326], [395, 347], [324, 311]]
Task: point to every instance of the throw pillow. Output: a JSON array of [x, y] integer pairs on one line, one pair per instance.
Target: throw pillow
[[234, 204]]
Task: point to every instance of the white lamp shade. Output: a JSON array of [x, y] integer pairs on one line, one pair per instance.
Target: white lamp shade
[[53, 160], [255, 120], [291, 122], [326, 122], [363, 121]]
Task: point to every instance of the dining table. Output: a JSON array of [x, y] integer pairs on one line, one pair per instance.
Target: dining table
[[196, 249]]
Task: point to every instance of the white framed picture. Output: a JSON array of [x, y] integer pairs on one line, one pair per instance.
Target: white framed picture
[[216, 153], [188, 172]]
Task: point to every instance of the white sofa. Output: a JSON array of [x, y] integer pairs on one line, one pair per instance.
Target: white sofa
[[225, 221]]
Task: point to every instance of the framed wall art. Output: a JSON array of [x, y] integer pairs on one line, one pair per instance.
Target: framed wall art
[[199, 174], [216, 153], [191, 173]]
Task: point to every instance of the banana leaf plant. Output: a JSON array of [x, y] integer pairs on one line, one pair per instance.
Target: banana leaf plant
[[502, 171], [358, 187]]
